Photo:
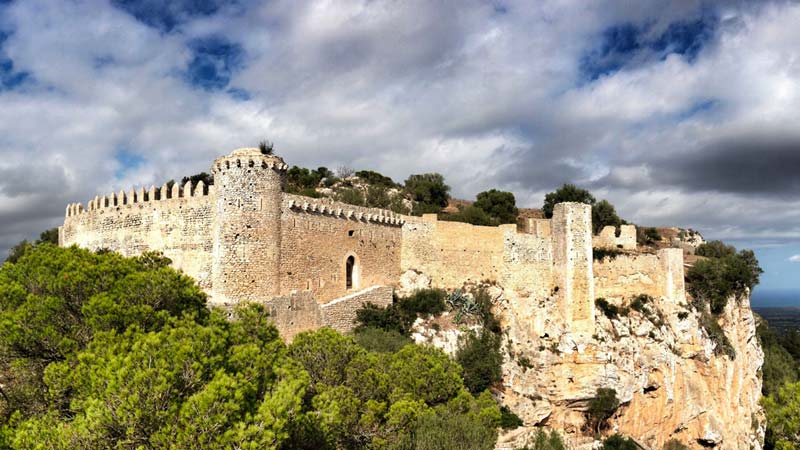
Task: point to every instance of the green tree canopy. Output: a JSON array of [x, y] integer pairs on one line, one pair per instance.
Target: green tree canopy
[[566, 193], [604, 214], [429, 191], [783, 417], [713, 281], [501, 206], [54, 300]]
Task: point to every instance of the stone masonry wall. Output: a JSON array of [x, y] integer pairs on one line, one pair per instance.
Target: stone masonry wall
[[659, 275], [608, 238], [572, 265], [319, 235], [135, 222], [340, 314], [452, 252]]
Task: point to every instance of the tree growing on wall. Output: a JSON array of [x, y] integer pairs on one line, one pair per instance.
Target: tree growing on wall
[[566, 193]]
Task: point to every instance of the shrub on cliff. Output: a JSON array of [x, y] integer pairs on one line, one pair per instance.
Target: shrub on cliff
[[619, 442], [714, 280], [400, 315], [545, 441], [601, 408], [481, 359], [715, 249]]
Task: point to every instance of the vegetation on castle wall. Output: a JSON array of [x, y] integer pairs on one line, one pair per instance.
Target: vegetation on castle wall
[[604, 214], [401, 314], [647, 236]]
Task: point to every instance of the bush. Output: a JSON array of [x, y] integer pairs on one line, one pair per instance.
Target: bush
[[603, 215], [545, 441], [471, 215], [425, 301], [713, 281], [350, 196], [509, 420], [400, 315], [619, 442], [500, 206], [609, 310], [480, 357], [674, 444], [599, 254], [647, 236], [429, 191], [382, 341], [375, 179], [601, 408], [715, 249], [444, 430], [377, 197], [717, 335], [566, 193]]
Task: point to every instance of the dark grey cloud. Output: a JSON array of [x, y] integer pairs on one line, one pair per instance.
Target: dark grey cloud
[[754, 164]]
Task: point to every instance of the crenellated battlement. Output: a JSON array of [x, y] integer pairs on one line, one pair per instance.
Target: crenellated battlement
[[251, 158], [132, 197], [331, 208]]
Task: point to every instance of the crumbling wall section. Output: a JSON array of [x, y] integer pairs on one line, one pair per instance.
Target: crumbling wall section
[[572, 265], [608, 238], [527, 263], [659, 275]]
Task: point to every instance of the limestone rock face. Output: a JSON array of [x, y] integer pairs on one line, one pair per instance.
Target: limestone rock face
[[664, 368], [670, 381]]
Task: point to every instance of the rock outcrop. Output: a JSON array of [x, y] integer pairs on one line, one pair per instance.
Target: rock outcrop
[[672, 381]]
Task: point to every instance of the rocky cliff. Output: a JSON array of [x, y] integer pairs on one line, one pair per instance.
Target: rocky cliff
[[672, 381]]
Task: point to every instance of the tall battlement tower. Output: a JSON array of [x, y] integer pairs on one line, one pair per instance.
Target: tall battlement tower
[[247, 232]]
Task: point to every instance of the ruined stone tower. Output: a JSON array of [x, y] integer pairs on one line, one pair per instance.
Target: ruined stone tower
[[572, 258], [247, 232]]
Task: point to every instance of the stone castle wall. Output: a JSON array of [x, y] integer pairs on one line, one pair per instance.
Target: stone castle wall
[[318, 237], [607, 238], [174, 221], [244, 239], [659, 275]]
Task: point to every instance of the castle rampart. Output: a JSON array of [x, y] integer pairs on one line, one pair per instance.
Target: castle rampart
[[313, 262]]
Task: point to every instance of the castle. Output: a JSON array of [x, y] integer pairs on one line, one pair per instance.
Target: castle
[[314, 262]]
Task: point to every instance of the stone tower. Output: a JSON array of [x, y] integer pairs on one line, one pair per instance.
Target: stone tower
[[247, 233], [572, 259]]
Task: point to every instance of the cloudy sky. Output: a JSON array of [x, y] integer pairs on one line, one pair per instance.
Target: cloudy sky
[[682, 112]]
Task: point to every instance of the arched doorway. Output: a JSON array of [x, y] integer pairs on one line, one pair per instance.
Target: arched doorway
[[351, 273]]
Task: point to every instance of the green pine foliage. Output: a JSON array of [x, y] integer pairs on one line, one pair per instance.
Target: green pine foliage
[[566, 193], [546, 441]]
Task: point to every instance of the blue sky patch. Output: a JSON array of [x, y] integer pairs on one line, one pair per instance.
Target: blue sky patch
[[166, 15], [127, 161], [10, 77], [214, 62], [630, 45]]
